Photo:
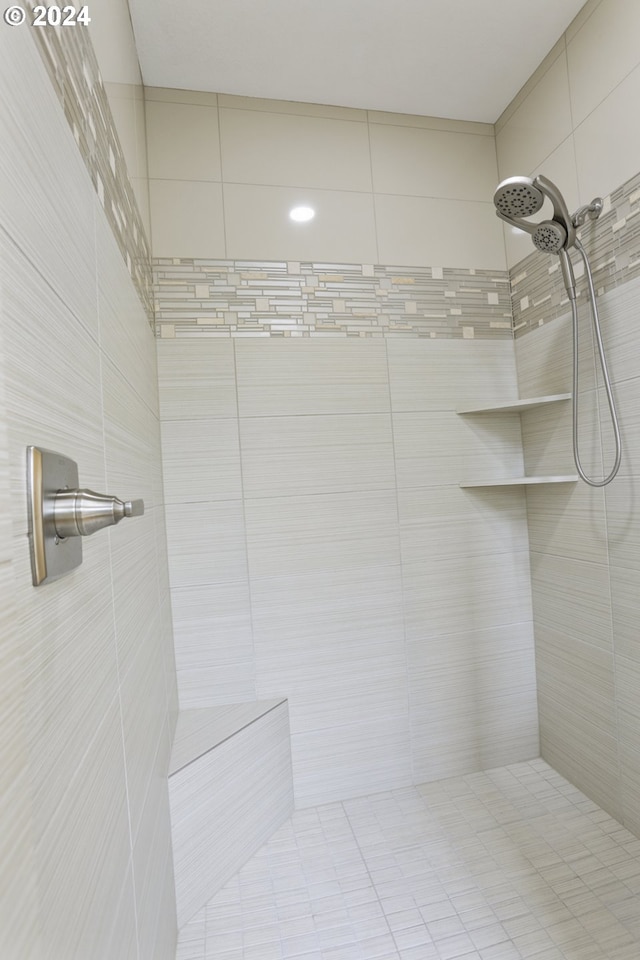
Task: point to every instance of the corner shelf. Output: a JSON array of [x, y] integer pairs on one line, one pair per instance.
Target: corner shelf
[[518, 481], [518, 406]]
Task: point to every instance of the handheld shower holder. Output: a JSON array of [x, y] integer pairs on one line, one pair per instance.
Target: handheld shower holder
[[589, 211]]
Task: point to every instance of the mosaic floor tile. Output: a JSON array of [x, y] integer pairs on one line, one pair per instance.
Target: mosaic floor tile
[[511, 864]]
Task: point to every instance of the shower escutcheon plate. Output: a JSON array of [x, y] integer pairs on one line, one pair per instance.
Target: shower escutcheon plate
[[60, 514]]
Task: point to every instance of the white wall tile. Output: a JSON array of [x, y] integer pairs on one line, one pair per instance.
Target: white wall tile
[[607, 144], [80, 379], [437, 447], [448, 522], [623, 531], [421, 230], [568, 520], [201, 460], [279, 155], [183, 141], [453, 595], [547, 435], [123, 109], [432, 163], [207, 542], [196, 379], [323, 542], [214, 643], [544, 360], [539, 125], [612, 31], [83, 853], [284, 456], [143, 715], [186, 218], [52, 226], [582, 752], [298, 151], [19, 923], [629, 722], [124, 332], [585, 566], [580, 675], [472, 700], [448, 374], [258, 226], [573, 596], [344, 761], [278, 377], [153, 859], [302, 534]]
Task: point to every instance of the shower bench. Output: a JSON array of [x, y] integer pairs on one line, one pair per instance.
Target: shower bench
[[230, 788]]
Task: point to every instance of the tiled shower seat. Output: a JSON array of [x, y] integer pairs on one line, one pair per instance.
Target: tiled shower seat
[[230, 788]]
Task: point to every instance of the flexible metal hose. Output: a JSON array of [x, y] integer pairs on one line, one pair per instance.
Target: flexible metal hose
[[605, 374]]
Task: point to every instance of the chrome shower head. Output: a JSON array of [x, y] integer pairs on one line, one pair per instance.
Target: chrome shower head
[[518, 197]]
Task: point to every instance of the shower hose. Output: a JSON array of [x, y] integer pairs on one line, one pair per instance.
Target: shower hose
[[605, 374]]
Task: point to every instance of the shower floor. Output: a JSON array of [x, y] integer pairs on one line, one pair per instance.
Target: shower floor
[[511, 864]]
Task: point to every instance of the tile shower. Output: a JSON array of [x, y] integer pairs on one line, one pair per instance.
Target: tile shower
[[319, 545]]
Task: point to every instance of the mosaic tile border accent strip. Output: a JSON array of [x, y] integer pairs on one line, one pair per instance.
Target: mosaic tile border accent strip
[[613, 245], [72, 66], [248, 298]]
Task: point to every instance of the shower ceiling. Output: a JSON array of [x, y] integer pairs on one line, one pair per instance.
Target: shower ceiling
[[463, 59]]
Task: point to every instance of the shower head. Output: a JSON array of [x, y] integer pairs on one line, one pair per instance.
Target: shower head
[[521, 197], [550, 237], [518, 197]]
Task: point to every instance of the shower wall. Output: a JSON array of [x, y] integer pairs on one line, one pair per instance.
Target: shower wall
[[393, 189], [574, 122], [87, 668], [320, 547], [115, 49]]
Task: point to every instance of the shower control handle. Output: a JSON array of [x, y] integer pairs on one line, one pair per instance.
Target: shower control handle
[[79, 513]]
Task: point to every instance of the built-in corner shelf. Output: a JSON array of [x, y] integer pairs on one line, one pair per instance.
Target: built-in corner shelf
[[517, 406], [517, 481]]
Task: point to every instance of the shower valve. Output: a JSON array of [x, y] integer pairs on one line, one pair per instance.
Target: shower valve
[[61, 514]]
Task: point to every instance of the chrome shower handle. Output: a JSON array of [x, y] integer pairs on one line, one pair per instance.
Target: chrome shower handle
[[79, 513]]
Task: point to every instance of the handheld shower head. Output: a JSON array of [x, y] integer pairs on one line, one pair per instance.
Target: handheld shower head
[[550, 236]]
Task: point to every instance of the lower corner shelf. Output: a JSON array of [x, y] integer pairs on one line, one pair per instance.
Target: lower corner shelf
[[518, 481]]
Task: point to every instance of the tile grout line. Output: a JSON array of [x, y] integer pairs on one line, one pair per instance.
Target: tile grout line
[[371, 880]]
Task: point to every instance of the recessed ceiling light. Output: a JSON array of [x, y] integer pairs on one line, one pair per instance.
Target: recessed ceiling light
[[302, 214]]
